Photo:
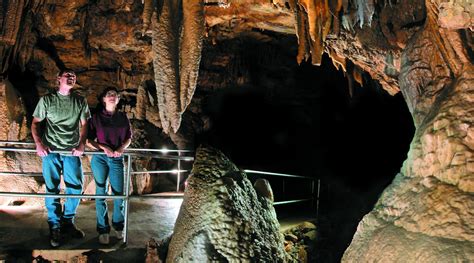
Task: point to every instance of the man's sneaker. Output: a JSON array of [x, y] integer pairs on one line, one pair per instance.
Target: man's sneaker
[[72, 231], [55, 237], [104, 239], [119, 234]]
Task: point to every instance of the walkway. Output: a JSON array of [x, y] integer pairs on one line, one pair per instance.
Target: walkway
[[24, 231]]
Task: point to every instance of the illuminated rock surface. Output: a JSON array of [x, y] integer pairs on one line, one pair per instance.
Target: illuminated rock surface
[[222, 218]]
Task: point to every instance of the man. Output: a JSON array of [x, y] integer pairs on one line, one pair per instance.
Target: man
[[65, 129]]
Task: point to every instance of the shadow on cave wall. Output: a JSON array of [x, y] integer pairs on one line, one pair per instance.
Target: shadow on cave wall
[[301, 120]]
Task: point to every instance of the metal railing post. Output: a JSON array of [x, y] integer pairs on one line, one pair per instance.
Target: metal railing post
[[127, 200], [312, 194], [179, 172]]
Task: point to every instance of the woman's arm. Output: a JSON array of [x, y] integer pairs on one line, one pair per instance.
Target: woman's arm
[[121, 149], [98, 146]]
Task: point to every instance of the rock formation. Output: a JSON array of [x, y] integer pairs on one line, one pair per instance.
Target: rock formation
[[426, 214], [178, 28], [222, 218]]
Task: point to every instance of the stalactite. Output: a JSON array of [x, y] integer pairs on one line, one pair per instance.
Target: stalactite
[[365, 11], [165, 40], [337, 61], [335, 7], [178, 30], [314, 19], [357, 74], [190, 52], [147, 14], [11, 19], [301, 34]]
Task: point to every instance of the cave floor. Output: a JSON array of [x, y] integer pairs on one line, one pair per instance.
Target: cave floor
[[24, 231]]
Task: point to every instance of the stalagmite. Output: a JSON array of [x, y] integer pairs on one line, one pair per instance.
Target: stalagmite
[[223, 218]]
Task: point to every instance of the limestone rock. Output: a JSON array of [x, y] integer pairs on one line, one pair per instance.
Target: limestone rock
[[263, 188], [222, 218], [425, 215], [14, 128], [151, 252]]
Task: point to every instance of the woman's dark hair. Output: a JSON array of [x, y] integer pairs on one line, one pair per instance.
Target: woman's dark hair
[[100, 97], [104, 92]]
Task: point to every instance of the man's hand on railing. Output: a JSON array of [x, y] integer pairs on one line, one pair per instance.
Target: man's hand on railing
[[41, 149], [79, 150]]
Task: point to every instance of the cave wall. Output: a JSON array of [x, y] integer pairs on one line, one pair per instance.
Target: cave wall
[[426, 213]]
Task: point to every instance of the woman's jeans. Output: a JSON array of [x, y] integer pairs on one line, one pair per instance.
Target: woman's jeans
[[110, 168], [71, 167]]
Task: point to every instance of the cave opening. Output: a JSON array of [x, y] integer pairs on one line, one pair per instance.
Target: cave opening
[[24, 81], [278, 116]]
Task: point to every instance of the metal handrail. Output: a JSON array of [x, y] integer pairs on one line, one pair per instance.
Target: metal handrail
[[294, 176], [19, 194], [126, 196], [38, 174], [126, 151], [150, 155], [277, 174]]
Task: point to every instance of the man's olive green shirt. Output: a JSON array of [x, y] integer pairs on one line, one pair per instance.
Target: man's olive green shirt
[[63, 115]]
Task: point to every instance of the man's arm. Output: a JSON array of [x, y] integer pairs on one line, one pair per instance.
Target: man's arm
[[79, 150], [41, 149]]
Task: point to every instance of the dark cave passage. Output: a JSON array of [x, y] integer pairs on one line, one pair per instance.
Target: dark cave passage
[[301, 120]]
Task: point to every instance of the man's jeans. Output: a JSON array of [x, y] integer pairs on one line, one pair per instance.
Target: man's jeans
[[71, 167], [110, 168]]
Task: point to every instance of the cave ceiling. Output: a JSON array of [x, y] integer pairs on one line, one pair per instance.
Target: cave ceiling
[[156, 45]]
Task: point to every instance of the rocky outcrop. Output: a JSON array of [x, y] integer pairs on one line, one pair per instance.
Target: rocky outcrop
[[426, 213], [223, 218], [14, 128]]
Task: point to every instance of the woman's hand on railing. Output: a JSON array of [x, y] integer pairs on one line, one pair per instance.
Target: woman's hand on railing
[[109, 152], [118, 152], [41, 149]]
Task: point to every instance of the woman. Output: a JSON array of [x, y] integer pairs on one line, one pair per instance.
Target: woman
[[109, 131]]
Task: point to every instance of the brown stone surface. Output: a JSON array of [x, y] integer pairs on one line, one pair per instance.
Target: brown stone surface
[[426, 213], [14, 128]]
